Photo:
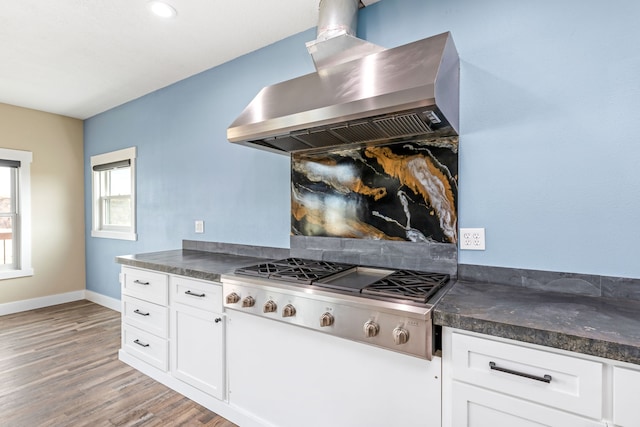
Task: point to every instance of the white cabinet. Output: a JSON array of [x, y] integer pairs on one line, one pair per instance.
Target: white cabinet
[[626, 390], [145, 316], [175, 325], [197, 332], [478, 407], [492, 382]]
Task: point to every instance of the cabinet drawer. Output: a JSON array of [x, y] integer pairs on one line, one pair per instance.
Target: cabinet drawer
[[197, 293], [145, 346], [475, 406], [146, 285], [146, 316], [626, 389], [575, 384]]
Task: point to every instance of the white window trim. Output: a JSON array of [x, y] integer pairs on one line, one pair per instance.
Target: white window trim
[[24, 208], [100, 159]]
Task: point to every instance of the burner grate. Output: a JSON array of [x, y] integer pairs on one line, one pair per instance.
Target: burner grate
[[411, 285], [296, 270]]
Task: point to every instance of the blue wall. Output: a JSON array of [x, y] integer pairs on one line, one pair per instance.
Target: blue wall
[[549, 153]]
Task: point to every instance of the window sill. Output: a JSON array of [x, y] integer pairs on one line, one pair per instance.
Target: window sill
[[13, 274], [114, 235]]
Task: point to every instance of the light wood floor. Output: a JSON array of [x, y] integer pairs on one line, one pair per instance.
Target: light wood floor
[[59, 367]]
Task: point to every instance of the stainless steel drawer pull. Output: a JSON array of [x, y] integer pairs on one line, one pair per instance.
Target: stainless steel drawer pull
[[140, 343], [140, 282], [136, 311], [194, 294], [544, 379]]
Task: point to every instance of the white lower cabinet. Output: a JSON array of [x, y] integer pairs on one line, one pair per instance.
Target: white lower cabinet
[[145, 315], [173, 330], [197, 337], [474, 406], [626, 392], [496, 382]]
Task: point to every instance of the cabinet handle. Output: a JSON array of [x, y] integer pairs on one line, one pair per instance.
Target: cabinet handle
[[544, 379], [218, 320], [194, 294], [140, 282], [136, 311], [140, 343]]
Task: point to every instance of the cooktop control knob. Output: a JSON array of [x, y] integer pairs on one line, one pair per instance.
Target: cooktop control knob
[[371, 329], [326, 320], [400, 335], [288, 311], [248, 301], [270, 307], [233, 298]]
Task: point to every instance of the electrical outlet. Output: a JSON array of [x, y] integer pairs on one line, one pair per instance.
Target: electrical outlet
[[199, 226], [472, 239]]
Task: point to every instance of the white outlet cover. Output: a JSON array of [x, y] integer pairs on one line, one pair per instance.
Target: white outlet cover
[[199, 226], [472, 239]]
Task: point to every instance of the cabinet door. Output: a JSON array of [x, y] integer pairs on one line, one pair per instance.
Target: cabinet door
[[478, 407], [197, 349], [626, 390]]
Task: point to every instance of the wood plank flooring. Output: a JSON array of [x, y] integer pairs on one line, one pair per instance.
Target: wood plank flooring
[[59, 367]]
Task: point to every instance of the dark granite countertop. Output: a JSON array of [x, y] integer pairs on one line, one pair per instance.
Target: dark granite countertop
[[599, 326], [190, 263]]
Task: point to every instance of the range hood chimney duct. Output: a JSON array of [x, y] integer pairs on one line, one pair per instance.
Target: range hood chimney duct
[[336, 40], [360, 94]]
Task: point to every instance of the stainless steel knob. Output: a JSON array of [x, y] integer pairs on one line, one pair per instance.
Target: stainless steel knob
[[326, 320], [288, 311], [233, 298], [400, 335], [248, 301], [371, 329], [270, 307]]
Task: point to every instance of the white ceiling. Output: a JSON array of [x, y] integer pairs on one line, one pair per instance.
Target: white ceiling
[[81, 57]]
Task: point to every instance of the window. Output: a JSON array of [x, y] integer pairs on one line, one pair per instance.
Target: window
[[15, 213], [113, 182]]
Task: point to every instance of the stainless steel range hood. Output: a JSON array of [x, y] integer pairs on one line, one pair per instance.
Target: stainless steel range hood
[[407, 92]]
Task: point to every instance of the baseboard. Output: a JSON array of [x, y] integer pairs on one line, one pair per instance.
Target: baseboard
[[103, 300], [34, 303]]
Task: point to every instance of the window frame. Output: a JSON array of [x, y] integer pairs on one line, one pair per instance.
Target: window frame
[[22, 261], [122, 233]]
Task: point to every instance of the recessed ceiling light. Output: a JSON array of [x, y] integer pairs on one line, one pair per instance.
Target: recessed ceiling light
[[162, 9]]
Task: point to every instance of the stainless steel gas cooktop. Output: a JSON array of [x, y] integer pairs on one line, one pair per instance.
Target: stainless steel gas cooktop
[[383, 307]]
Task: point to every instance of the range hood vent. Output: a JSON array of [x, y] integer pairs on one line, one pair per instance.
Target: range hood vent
[[405, 92]]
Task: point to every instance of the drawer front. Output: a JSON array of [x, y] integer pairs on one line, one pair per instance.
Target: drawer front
[[145, 346], [197, 293], [147, 316], [478, 407], [626, 389], [574, 385], [146, 285]]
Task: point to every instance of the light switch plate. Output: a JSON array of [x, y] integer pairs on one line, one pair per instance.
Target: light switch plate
[[199, 226], [472, 239]]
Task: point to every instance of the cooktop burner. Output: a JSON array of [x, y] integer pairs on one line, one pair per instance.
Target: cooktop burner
[[296, 270], [387, 284], [406, 284]]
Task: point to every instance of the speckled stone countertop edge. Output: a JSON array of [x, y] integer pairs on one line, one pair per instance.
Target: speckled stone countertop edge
[[164, 268], [461, 312], [558, 340], [209, 266]]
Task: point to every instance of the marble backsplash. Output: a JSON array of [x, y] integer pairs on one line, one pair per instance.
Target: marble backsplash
[[405, 191]]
